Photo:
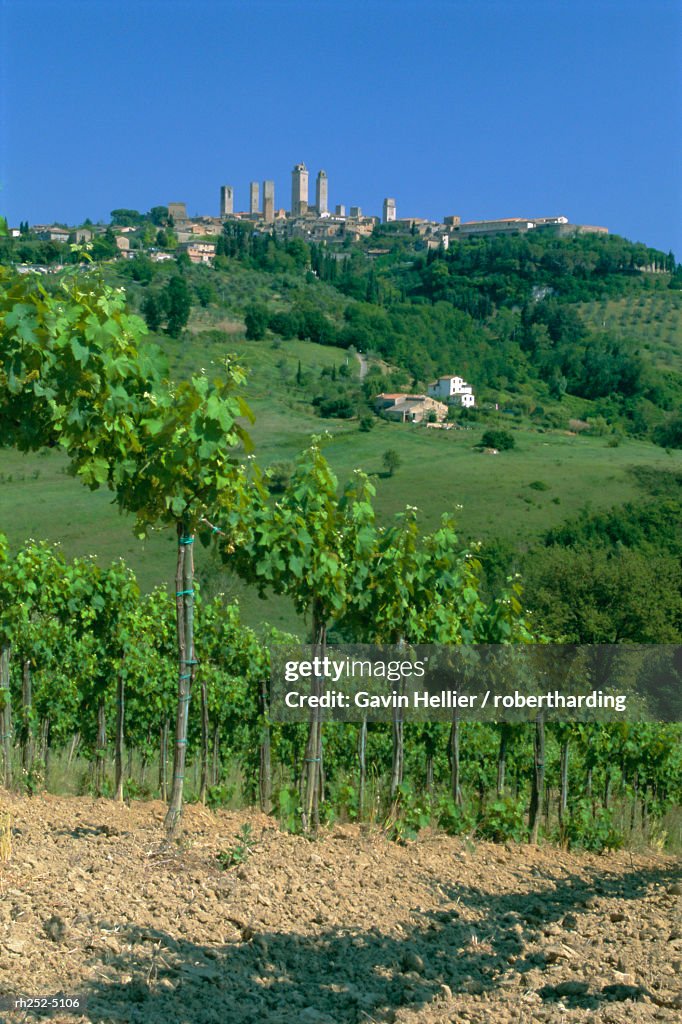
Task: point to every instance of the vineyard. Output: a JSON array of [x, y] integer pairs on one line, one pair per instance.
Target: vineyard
[[90, 670], [90, 664], [164, 697]]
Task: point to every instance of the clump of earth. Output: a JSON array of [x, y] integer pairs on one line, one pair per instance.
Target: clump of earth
[[347, 929]]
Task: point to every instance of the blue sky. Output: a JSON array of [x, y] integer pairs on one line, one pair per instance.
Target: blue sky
[[469, 107]]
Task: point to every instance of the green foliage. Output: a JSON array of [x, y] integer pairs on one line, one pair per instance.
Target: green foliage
[[240, 852], [34, 777], [289, 808], [500, 439], [669, 433], [134, 790], [303, 544], [412, 811], [256, 322], [502, 820], [285, 323], [589, 595], [220, 795], [104, 246], [452, 818], [654, 525], [588, 831], [391, 461], [177, 302], [73, 373], [279, 475], [152, 310], [340, 407], [126, 218]]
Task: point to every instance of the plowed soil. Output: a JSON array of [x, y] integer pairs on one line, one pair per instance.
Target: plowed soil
[[346, 929]]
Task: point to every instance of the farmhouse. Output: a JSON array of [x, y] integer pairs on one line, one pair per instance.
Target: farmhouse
[[410, 408], [454, 391]]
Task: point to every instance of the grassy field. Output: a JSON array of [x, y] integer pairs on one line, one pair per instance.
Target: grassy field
[[515, 495]]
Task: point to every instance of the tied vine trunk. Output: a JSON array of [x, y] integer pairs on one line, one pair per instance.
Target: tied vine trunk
[[184, 604]]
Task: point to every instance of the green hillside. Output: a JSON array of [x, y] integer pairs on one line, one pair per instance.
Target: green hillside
[[516, 495], [652, 319], [534, 355]]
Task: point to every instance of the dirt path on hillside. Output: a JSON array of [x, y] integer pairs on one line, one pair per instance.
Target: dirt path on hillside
[[351, 928]]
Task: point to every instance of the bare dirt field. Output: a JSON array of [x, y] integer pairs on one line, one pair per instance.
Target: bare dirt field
[[349, 928]]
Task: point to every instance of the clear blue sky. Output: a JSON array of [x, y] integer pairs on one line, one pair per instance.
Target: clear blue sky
[[472, 107]]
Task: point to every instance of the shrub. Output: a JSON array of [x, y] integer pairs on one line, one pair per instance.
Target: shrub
[[586, 831], [504, 819], [340, 408], [412, 812], [669, 434], [220, 795], [240, 851], [286, 324], [391, 460], [256, 322], [454, 820], [500, 439]]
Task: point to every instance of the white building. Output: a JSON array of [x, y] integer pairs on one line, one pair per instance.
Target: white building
[[454, 391]]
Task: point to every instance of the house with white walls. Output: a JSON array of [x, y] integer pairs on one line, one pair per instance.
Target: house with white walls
[[454, 391]]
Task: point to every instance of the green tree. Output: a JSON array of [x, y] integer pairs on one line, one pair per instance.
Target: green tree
[[256, 321], [126, 218], [316, 547], [500, 439], [177, 300], [104, 246], [158, 215], [73, 373], [152, 311], [391, 460]]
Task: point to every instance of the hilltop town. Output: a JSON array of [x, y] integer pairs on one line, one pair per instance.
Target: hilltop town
[[316, 221], [311, 221]]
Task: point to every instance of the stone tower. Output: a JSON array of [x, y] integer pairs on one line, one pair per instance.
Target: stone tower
[[253, 197], [268, 201], [389, 210], [299, 191], [226, 200], [178, 211], [322, 193]]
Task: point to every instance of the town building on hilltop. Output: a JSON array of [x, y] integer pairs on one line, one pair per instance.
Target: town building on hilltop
[[299, 191], [199, 252], [51, 233], [322, 194], [389, 211], [268, 201], [178, 211], [504, 226], [454, 391], [226, 200]]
